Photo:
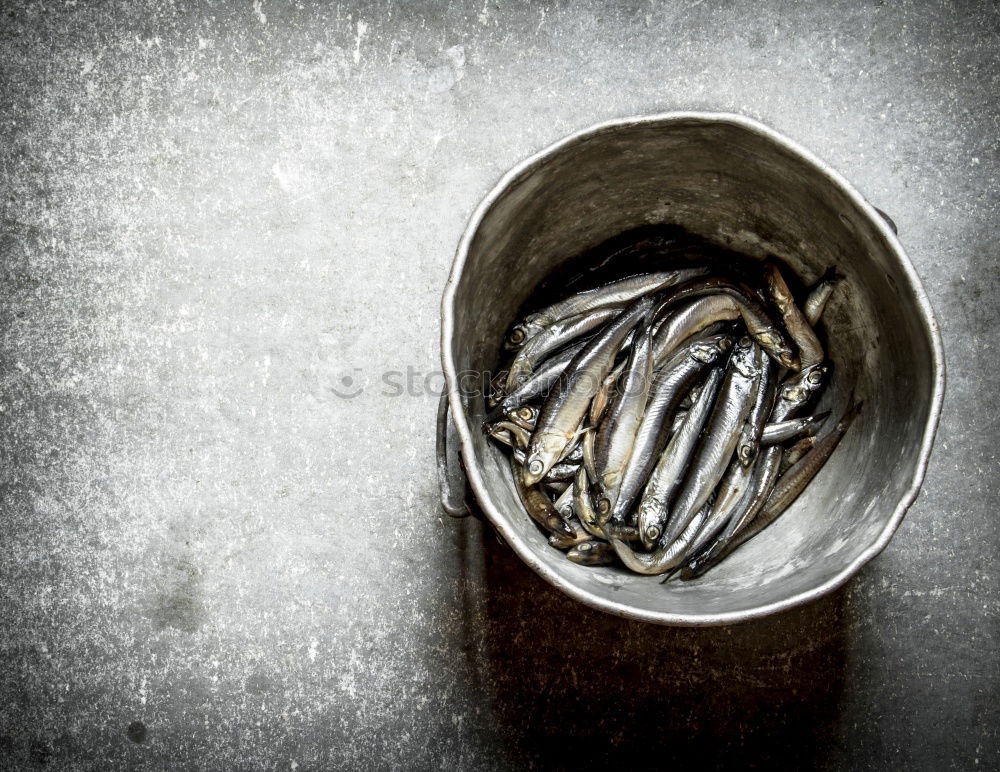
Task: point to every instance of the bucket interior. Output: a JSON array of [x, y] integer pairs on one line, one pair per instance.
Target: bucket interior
[[744, 190]]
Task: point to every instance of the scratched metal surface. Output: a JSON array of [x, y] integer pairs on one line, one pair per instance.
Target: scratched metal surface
[[216, 552]]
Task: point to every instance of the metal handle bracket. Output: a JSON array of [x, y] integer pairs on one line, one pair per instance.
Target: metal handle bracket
[[451, 473]]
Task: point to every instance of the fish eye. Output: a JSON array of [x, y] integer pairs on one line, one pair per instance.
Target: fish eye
[[517, 335], [603, 506], [535, 466], [652, 532], [526, 413]]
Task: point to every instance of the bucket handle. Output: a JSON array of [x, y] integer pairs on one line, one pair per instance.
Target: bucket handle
[[889, 221], [455, 493], [451, 473]]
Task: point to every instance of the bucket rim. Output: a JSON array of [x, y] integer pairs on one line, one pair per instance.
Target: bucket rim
[[928, 322]]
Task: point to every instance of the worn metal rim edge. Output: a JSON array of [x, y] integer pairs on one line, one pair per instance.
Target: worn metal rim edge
[[458, 415]]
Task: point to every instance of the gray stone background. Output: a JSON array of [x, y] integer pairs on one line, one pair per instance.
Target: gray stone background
[[213, 213]]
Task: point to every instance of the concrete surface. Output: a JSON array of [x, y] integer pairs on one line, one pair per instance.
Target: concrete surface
[[213, 214]]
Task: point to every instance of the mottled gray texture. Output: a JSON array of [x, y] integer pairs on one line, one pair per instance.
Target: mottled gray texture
[[213, 213]]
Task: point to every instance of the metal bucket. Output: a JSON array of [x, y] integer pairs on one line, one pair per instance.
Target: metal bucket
[[743, 186]]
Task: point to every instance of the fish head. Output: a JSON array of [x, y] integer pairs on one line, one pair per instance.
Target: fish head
[[649, 522], [525, 415], [745, 358], [801, 388], [710, 350], [519, 334], [544, 451], [500, 434], [588, 553], [776, 345], [605, 496]]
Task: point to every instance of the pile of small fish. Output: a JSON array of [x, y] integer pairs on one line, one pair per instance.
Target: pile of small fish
[[654, 420]]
